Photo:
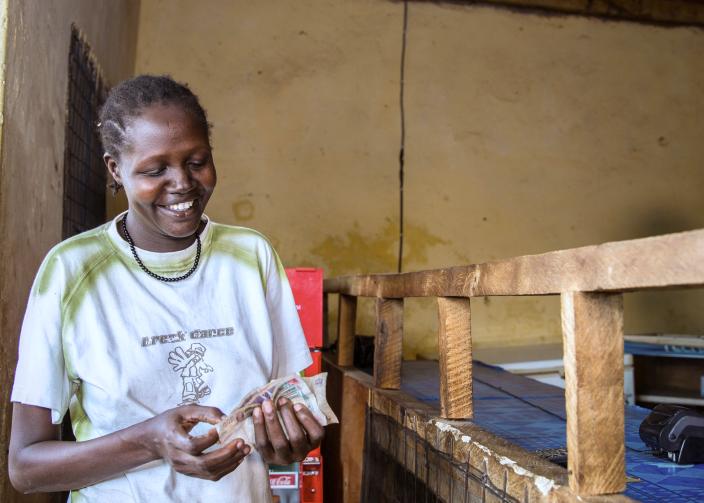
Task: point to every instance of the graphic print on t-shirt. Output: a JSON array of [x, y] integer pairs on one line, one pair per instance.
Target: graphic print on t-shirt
[[190, 364]]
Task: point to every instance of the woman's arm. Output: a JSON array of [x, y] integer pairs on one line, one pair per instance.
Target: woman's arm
[[39, 462]]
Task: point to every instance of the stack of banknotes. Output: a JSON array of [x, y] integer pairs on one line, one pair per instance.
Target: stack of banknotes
[[308, 391]]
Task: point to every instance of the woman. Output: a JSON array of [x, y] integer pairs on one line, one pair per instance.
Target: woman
[[144, 326]]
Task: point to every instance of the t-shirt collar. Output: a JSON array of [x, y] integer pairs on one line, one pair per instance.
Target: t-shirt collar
[[174, 258]]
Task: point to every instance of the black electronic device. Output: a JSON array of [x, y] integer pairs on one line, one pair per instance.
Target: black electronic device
[[675, 431]]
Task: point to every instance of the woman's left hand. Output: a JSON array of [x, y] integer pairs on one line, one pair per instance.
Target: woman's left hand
[[304, 432]]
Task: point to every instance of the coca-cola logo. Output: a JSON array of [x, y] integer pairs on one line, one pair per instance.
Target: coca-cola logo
[[281, 480]]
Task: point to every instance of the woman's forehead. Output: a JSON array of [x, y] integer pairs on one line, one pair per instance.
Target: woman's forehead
[[161, 125]]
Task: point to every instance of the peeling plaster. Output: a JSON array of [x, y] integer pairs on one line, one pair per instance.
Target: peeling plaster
[[542, 484]]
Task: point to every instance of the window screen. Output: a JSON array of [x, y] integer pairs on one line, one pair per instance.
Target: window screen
[[84, 171]]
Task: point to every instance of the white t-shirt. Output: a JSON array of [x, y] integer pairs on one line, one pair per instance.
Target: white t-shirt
[[115, 346]]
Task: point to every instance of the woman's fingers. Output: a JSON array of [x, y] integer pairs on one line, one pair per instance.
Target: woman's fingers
[[202, 442], [200, 414], [171, 429], [212, 465], [298, 440], [261, 438], [170, 433], [277, 443], [270, 438], [277, 437], [182, 440], [291, 442], [222, 461], [314, 430]]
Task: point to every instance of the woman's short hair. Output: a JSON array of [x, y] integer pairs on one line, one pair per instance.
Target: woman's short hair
[[127, 100]]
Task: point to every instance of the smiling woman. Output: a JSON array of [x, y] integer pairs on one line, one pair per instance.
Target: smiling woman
[[160, 153], [92, 340], [168, 176]]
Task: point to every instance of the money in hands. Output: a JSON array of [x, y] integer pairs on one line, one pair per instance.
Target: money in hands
[[308, 391]]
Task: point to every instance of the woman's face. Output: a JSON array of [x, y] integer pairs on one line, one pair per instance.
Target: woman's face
[[168, 175]]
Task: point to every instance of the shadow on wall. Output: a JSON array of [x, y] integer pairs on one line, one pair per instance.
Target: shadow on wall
[[664, 221]]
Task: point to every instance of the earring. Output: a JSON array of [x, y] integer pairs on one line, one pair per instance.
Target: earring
[[114, 187]]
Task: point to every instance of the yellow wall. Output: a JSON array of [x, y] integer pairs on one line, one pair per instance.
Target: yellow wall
[[31, 174], [525, 134]]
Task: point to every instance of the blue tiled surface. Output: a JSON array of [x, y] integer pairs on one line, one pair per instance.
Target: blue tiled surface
[[532, 414]]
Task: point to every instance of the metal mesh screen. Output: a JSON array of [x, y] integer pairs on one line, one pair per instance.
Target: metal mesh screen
[[402, 467], [84, 171]]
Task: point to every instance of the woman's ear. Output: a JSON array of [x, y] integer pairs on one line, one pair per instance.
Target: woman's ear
[[113, 168]]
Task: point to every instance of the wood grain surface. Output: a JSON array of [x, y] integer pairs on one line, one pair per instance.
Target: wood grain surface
[[592, 328], [346, 324], [343, 445], [388, 343], [455, 357], [669, 12]]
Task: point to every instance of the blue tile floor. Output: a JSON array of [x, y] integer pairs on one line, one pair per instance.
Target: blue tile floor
[[532, 414]]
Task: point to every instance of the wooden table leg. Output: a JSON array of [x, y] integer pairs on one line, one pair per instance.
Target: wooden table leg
[[455, 354], [592, 329], [346, 324], [388, 343]]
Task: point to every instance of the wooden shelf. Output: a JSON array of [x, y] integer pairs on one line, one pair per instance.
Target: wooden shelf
[[678, 397], [692, 341]]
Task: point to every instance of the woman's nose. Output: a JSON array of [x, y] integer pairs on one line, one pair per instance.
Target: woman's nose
[[181, 180]]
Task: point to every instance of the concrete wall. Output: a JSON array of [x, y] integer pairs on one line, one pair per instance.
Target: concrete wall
[[526, 134], [31, 176]]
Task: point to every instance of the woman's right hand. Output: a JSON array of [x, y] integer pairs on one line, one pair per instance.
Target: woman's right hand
[[40, 462], [168, 436]]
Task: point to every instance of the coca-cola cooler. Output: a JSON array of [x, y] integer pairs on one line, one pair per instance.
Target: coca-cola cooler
[[303, 482]]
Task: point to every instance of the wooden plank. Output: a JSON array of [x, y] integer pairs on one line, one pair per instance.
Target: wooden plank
[[354, 406], [330, 446], [670, 398], [455, 350], [592, 328], [388, 343], [692, 341], [669, 261], [346, 324], [343, 446], [668, 12]]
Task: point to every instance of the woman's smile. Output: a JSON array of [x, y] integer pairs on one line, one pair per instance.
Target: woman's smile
[[182, 211], [180, 207]]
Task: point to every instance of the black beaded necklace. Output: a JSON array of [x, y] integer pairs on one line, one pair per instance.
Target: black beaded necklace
[[154, 275]]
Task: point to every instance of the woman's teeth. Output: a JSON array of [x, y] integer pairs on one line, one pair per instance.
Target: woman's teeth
[[180, 206]]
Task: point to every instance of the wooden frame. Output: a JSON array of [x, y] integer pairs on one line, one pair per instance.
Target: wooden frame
[[589, 280], [666, 12]]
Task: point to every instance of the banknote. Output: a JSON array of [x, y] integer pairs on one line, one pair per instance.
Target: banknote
[[308, 391]]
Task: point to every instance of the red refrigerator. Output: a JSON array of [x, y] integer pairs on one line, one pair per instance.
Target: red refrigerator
[[303, 482]]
